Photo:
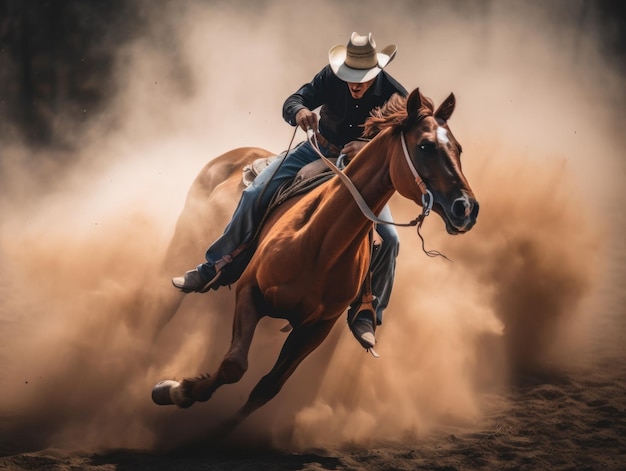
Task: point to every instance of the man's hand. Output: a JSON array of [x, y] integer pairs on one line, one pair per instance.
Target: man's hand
[[351, 148], [306, 119]]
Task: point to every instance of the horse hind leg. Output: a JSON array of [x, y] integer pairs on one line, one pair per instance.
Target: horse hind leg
[[303, 340], [201, 388], [198, 389], [231, 369]]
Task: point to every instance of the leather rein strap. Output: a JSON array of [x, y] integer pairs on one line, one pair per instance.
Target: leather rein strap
[[427, 196]]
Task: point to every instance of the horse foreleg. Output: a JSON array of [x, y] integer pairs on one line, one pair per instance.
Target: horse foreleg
[[231, 369], [299, 344]]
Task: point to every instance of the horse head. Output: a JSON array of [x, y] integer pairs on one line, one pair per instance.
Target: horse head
[[435, 155]]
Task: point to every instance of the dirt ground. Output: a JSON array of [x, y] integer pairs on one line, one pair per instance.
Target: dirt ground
[[575, 421]]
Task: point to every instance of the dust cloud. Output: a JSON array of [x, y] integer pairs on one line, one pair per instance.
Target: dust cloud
[[535, 287]]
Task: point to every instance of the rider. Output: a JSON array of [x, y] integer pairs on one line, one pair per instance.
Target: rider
[[348, 89]]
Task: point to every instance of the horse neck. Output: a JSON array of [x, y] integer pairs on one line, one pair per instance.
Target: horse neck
[[369, 173], [370, 170]]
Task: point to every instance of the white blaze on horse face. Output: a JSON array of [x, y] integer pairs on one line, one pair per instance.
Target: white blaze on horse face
[[442, 135]]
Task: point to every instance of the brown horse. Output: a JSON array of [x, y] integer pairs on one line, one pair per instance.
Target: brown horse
[[313, 252]]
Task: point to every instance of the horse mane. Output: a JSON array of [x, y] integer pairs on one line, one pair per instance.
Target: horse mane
[[393, 114]]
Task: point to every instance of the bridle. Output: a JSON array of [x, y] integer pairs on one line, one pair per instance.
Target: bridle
[[427, 196]]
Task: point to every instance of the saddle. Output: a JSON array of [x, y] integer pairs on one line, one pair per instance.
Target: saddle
[[309, 176]]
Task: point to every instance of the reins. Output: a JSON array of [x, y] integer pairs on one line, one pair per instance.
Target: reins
[[427, 196]]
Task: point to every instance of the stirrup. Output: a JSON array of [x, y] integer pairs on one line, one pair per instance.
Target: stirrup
[[366, 305]]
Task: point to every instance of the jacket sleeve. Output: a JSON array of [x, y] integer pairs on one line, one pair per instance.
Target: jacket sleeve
[[311, 95]]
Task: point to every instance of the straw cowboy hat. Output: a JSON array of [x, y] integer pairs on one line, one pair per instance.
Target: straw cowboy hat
[[359, 61]]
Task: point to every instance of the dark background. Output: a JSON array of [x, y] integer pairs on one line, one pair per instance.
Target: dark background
[[57, 58]]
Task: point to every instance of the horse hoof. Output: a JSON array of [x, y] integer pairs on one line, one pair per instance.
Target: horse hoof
[[161, 392]]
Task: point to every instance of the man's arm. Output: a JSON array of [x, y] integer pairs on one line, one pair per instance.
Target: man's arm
[[308, 97]]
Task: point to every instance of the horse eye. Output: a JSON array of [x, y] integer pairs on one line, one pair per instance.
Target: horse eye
[[427, 147]]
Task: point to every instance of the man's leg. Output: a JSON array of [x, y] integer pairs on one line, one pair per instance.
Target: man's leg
[[246, 219], [383, 267], [384, 263]]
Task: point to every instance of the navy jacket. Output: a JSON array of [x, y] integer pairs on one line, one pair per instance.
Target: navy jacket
[[341, 116]]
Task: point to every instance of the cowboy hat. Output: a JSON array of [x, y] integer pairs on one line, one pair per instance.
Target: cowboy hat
[[359, 61]]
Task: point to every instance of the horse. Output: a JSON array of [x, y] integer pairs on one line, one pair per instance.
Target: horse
[[313, 251]]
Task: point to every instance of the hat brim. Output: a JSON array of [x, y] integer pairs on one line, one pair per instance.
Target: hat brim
[[337, 61]]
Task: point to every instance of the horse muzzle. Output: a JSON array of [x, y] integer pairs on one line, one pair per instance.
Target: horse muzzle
[[460, 215]]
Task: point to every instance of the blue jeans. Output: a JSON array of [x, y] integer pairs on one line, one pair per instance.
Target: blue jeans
[[383, 264], [251, 208]]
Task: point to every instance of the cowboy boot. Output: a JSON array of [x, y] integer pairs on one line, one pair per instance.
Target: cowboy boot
[[193, 282], [362, 321]]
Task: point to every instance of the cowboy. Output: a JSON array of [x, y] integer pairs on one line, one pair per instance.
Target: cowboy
[[347, 90]]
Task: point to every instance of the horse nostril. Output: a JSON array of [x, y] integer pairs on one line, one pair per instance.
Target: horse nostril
[[461, 208]]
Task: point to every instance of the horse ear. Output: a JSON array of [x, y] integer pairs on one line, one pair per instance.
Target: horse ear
[[414, 102], [446, 108]]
